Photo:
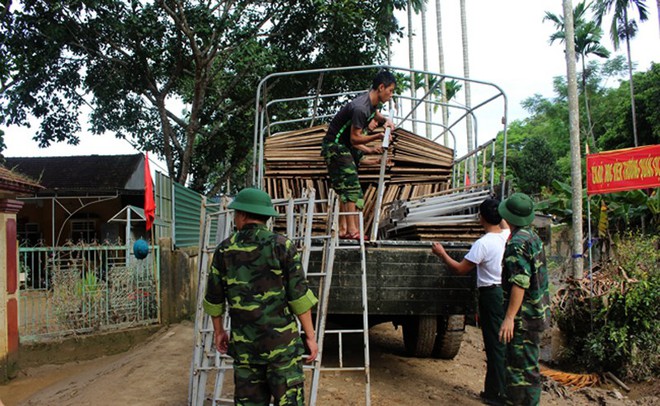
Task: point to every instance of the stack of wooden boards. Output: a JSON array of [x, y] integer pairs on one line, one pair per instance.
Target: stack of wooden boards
[[416, 167]]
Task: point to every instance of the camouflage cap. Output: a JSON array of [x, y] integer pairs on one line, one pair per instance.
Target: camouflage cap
[[255, 201]]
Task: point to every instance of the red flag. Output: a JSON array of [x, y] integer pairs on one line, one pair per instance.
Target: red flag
[[149, 203], [467, 180]]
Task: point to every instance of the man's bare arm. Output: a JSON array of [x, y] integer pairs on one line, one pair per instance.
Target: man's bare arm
[[357, 138], [462, 267], [310, 338], [515, 301]]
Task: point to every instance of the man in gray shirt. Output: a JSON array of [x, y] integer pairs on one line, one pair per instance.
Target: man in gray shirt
[[345, 143]]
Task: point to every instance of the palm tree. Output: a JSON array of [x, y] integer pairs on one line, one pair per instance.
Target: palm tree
[[411, 62], [587, 42], [623, 27], [574, 126], [468, 98], [427, 106], [414, 7], [453, 86], [441, 57]]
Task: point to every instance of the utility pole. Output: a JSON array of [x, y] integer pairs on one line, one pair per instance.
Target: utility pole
[[574, 125]]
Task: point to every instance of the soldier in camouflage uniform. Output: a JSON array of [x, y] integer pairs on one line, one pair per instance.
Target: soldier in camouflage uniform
[[527, 302], [345, 143], [259, 274]]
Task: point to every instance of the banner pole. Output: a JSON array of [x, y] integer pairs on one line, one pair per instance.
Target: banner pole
[[589, 244], [591, 275]]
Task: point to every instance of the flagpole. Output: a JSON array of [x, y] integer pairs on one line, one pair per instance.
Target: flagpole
[[150, 214], [590, 264], [591, 276], [156, 273]]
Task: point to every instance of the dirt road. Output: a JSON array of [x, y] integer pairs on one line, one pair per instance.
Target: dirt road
[[157, 373]]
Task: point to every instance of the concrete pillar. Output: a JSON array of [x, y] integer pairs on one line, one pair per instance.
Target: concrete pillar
[[8, 288]]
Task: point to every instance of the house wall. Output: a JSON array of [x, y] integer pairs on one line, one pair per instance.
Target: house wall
[[8, 289], [40, 211]]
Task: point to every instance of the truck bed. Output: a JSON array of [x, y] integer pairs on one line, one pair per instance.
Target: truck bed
[[403, 278]]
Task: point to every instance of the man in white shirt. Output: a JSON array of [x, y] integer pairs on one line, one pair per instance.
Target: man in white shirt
[[486, 255]]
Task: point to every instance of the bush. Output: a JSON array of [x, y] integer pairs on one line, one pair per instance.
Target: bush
[[625, 311]]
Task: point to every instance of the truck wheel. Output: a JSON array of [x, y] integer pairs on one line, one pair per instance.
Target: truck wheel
[[450, 336], [419, 335]]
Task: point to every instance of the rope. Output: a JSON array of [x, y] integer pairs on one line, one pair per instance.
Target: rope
[[577, 381]]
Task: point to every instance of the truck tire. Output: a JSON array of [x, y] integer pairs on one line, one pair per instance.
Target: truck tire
[[449, 337], [419, 335]]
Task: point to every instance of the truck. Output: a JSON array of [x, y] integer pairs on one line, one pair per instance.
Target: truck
[[406, 284]]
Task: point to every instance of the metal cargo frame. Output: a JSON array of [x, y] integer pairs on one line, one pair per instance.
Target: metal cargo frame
[[265, 108]]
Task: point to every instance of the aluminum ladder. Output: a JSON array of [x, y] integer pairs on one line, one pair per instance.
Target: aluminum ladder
[[331, 244], [206, 360], [299, 218]]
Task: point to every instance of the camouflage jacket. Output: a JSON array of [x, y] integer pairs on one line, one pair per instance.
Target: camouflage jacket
[[259, 274], [524, 265]]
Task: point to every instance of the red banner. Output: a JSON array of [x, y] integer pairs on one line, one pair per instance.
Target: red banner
[[623, 169]]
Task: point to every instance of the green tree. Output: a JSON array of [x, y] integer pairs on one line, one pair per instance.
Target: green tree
[[587, 42], [613, 122], [174, 76], [623, 27], [535, 167], [547, 117]]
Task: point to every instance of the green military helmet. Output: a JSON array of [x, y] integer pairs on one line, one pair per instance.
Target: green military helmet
[[518, 210], [255, 201]]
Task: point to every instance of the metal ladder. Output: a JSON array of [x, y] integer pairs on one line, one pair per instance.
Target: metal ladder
[[205, 358], [330, 245], [299, 229]]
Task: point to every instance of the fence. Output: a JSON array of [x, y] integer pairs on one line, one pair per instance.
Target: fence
[[82, 288]]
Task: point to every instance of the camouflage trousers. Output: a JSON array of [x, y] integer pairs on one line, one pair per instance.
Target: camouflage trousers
[[523, 378], [255, 384], [343, 172]]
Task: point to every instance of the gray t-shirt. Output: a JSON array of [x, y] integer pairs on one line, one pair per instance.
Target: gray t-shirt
[[356, 113]]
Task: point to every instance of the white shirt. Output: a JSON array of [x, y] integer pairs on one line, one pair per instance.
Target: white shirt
[[487, 253]]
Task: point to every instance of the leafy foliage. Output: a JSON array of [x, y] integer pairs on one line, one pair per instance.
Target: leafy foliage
[[612, 114], [623, 210], [624, 338], [175, 77], [535, 166], [612, 130], [623, 25]]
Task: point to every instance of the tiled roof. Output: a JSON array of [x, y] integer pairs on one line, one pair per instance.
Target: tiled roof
[[83, 174], [15, 182]]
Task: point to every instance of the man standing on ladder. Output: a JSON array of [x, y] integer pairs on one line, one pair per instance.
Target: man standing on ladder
[[486, 254], [345, 144], [259, 274]]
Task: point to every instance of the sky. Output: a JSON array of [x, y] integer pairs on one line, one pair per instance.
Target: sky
[[508, 45]]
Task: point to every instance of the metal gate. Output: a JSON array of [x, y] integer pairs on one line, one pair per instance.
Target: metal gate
[[82, 288]]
